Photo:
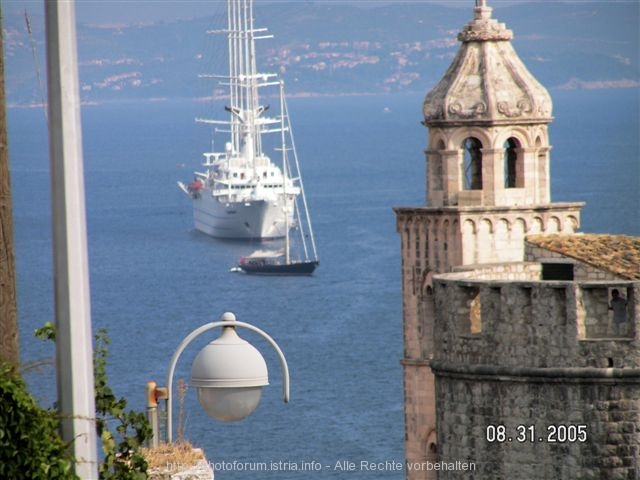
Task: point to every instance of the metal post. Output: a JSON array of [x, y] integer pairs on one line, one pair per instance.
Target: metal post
[[154, 393], [152, 412], [74, 352]]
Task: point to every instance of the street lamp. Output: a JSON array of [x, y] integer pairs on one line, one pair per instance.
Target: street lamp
[[229, 374]]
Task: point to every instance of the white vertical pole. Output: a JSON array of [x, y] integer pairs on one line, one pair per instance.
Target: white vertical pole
[[74, 352]]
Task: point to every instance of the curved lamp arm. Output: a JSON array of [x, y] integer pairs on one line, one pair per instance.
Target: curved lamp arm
[[205, 328]]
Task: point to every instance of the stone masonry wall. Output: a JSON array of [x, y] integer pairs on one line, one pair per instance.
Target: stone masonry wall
[[528, 324], [437, 240], [421, 249], [511, 429], [420, 422], [522, 390]]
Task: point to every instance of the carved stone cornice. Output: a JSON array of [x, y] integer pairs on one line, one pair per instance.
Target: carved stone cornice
[[484, 28]]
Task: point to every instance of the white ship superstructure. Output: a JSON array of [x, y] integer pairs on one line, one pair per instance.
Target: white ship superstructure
[[242, 193]]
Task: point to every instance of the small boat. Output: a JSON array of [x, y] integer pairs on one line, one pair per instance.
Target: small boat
[[284, 262], [245, 191], [294, 268], [275, 265]]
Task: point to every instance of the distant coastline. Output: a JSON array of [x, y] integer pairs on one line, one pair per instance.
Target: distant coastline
[[573, 85], [326, 49]]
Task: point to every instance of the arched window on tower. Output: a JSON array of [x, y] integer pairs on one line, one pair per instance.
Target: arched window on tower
[[513, 171], [472, 163]]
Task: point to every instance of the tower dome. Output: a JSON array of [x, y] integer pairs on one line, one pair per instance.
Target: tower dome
[[487, 83]]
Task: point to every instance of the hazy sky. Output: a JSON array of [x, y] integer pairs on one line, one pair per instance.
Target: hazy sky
[[134, 11]]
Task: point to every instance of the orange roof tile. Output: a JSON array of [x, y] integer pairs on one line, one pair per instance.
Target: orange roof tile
[[618, 254]]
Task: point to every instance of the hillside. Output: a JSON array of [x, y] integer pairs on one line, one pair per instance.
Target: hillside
[[333, 48]]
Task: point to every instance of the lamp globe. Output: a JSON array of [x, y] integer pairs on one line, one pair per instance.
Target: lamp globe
[[229, 374]]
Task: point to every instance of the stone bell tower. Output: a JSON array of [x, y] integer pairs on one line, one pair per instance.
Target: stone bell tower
[[488, 185]]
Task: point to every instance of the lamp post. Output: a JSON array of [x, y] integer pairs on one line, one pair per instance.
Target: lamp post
[[229, 374], [74, 356]]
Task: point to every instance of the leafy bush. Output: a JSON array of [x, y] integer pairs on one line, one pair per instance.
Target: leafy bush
[[124, 460], [30, 445], [122, 457]]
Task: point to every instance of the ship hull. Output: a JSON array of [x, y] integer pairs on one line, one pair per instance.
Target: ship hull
[[250, 220], [265, 268]]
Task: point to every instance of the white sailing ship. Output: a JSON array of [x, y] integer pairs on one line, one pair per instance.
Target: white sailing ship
[[243, 194]]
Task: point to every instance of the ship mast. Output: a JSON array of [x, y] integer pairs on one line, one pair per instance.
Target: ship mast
[[246, 124], [243, 85], [285, 175], [254, 107]]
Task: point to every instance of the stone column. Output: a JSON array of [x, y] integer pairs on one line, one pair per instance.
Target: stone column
[[451, 166], [543, 186], [493, 176], [435, 177], [531, 175]]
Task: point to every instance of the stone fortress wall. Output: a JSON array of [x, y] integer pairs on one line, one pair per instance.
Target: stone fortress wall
[[531, 390]]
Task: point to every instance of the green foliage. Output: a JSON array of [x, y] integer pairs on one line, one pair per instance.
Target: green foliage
[[30, 446], [46, 332], [122, 457]]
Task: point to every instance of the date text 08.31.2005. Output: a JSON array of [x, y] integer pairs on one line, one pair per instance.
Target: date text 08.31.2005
[[529, 433]]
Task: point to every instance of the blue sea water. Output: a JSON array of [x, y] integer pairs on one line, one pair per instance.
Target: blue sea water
[[154, 279]]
